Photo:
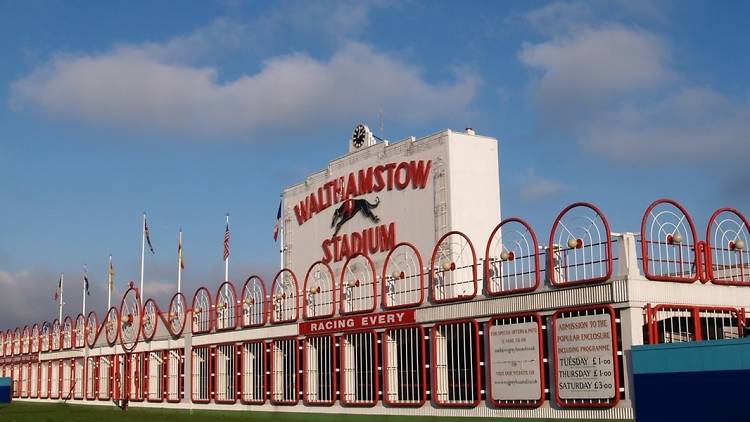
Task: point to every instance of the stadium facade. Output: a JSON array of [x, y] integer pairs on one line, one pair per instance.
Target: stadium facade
[[403, 291]]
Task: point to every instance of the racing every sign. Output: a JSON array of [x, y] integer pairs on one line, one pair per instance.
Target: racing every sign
[[357, 322], [585, 357], [516, 369]]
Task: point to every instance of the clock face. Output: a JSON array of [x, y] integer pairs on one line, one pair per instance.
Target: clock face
[[359, 136]]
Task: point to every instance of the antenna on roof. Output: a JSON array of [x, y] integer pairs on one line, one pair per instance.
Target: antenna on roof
[[382, 132]]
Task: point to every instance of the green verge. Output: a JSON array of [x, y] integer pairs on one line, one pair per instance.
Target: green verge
[[43, 412]]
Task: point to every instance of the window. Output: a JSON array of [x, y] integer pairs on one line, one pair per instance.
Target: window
[[253, 372], [404, 366], [359, 375], [320, 370], [201, 374], [455, 370]]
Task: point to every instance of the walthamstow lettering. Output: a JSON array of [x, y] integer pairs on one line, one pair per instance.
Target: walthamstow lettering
[[386, 177], [357, 322]]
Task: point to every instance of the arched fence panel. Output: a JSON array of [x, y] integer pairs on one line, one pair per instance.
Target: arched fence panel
[[403, 277], [727, 242], [201, 311], [226, 307], [453, 269], [319, 295], [669, 243], [511, 260], [580, 247], [254, 311], [284, 297], [358, 292]]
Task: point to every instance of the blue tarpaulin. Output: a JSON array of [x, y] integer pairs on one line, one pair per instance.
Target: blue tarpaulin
[[6, 389]]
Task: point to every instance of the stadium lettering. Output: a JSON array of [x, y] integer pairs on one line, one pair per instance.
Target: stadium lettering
[[372, 179], [371, 240]]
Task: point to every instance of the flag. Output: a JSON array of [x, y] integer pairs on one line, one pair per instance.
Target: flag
[[148, 238], [86, 284], [111, 275], [179, 252], [59, 287], [278, 224], [226, 242]]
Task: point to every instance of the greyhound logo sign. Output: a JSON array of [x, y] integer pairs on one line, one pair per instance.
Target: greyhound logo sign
[[350, 208]]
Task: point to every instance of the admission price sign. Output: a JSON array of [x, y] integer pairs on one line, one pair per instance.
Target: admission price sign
[[585, 359], [514, 350]]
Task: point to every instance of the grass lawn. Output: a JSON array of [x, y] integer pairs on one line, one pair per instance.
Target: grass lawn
[[41, 412]]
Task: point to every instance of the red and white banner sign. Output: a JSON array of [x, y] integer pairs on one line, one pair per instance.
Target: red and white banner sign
[[357, 322]]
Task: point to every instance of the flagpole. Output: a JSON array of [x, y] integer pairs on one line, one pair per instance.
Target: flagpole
[[281, 236], [109, 283], [179, 263], [143, 252], [62, 285], [226, 261], [83, 310]]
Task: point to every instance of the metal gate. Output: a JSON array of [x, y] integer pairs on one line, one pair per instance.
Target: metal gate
[[404, 366], [202, 370], [225, 368], [34, 380], [92, 373], [358, 291], [175, 373], [24, 380], [79, 383], [284, 371], [727, 242], [105, 375], [155, 376], [359, 368], [201, 311], [319, 292], [44, 380], [253, 372], [320, 370], [403, 277], [135, 375], [455, 364]]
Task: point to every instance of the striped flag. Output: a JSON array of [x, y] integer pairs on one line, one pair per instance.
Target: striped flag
[[278, 224], [226, 243], [86, 284], [179, 252], [148, 238]]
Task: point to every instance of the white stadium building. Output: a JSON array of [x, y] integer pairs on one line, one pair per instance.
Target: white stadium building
[[404, 291]]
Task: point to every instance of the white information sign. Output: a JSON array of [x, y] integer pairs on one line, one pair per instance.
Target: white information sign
[[585, 362], [515, 361]]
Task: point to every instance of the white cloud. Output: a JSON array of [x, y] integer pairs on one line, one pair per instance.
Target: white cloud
[[534, 187], [159, 86], [613, 89]]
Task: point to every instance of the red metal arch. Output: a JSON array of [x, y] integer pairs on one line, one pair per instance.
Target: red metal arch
[[48, 326], [199, 312], [111, 326], [248, 302], [528, 255], [671, 268], [17, 341], [34, 338], [281, 296], [355, 283], [127, 317], [451, 267], [67, 322], [734, 268], [79, 325], [92, 321], [56, 327], [317, 290], [177, 315], [577, 247], [233, 323], [402, 274], [25, 340], [149, 327]]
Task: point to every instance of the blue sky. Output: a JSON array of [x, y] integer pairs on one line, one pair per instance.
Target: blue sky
[[112, 108]]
